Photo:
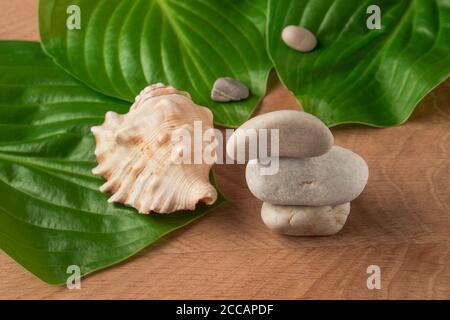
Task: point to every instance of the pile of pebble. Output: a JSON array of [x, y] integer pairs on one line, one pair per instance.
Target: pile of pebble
[[310, 194]]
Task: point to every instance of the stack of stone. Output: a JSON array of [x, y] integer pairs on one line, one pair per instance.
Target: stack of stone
[[311, 191]]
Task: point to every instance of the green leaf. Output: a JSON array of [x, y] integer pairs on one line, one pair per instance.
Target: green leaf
[[357, 75], [124, 45], [51, 212]]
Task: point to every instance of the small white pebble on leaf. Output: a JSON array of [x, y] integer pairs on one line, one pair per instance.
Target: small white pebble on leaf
[[299, 38]]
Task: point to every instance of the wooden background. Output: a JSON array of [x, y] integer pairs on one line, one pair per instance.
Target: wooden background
[[401, 223]]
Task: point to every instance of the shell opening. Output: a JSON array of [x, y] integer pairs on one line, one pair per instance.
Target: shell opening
[[207, 200]]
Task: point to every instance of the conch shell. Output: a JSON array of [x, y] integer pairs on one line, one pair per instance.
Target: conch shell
[[134, 153]]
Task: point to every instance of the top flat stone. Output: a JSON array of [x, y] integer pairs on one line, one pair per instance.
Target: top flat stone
[[301, 135]]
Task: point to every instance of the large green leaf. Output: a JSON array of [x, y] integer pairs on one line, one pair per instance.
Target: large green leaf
[[124, 45], [51, 212], [358, 75]]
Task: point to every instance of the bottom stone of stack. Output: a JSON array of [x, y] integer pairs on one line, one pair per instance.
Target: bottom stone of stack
[[305, 221]]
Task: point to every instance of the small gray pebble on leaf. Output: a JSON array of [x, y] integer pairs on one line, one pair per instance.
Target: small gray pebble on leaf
[[227, 89]]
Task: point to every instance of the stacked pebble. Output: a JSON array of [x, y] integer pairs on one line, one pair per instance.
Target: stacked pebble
[[310, 194]]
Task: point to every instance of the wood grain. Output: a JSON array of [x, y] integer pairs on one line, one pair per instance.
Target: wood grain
[[400, 223]]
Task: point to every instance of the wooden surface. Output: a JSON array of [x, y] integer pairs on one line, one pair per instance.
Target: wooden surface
[[400, 223]]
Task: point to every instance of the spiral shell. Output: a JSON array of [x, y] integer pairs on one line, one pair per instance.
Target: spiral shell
[[134, 153]]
